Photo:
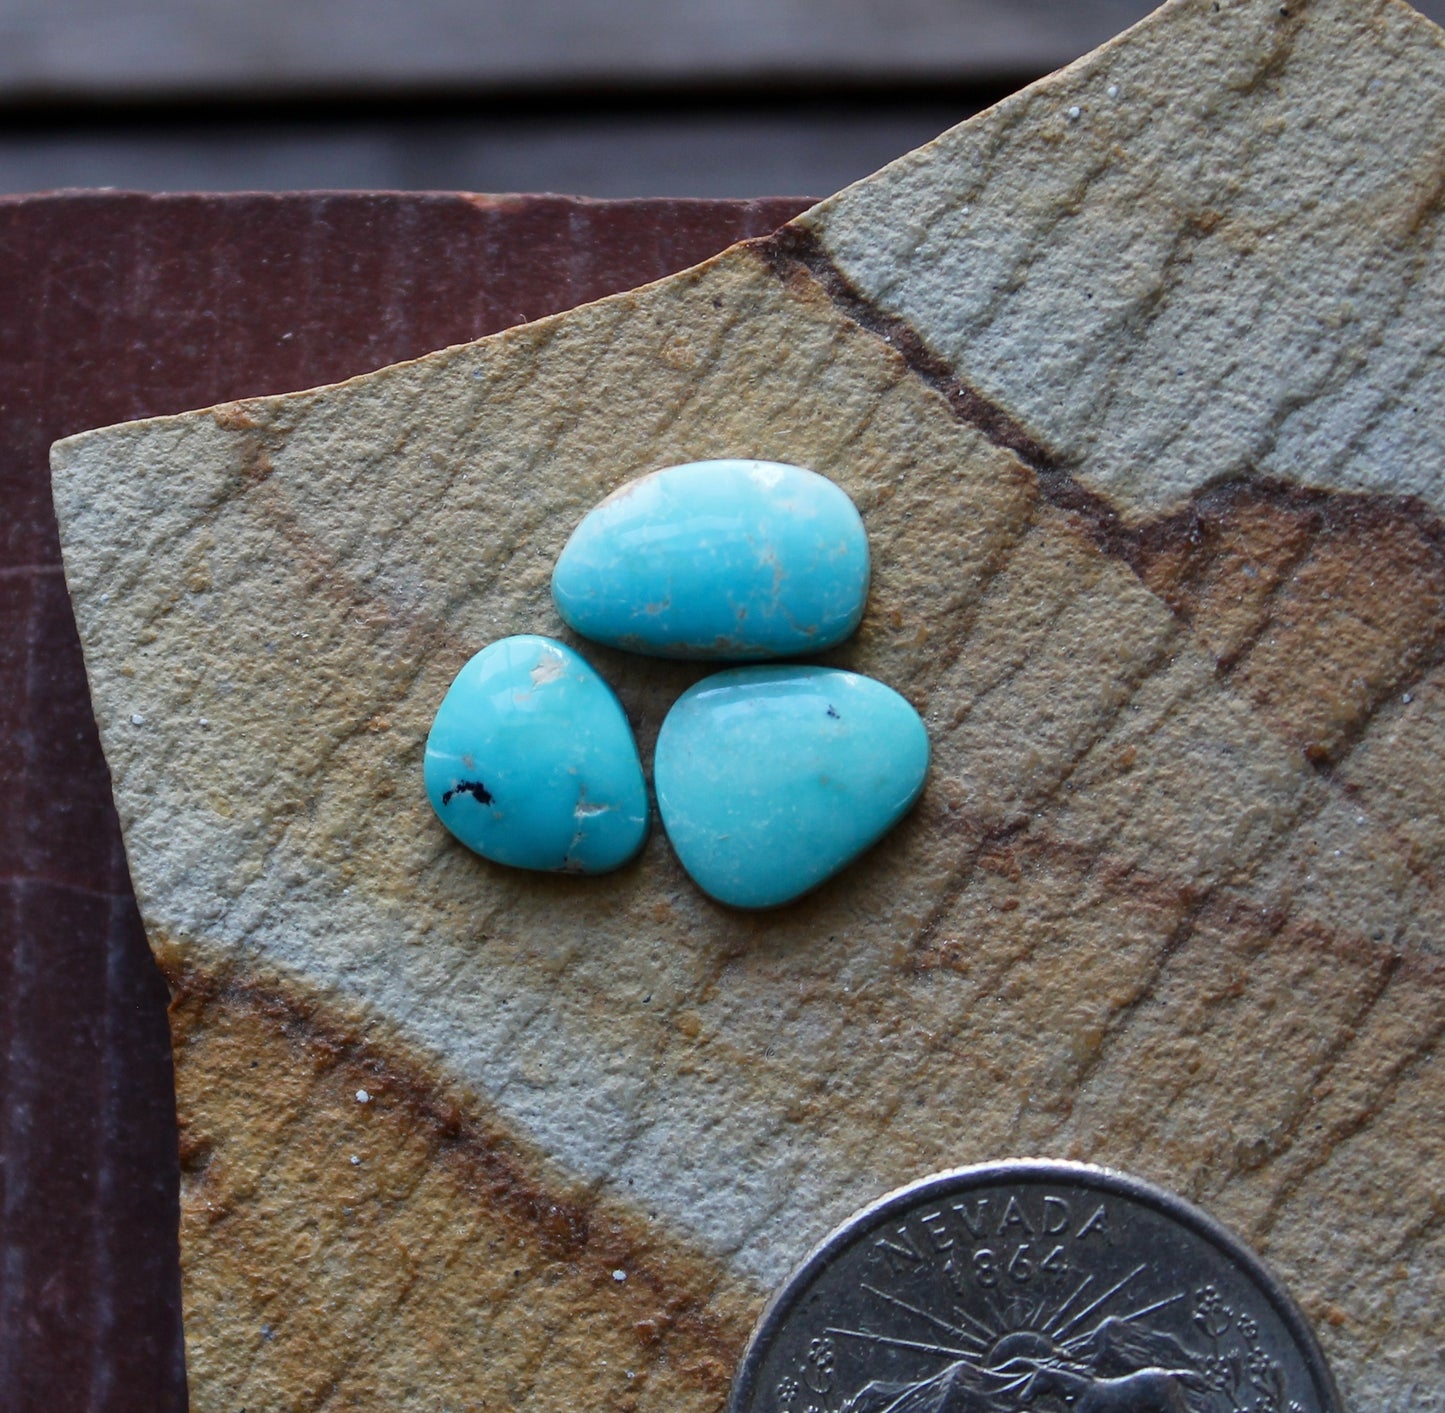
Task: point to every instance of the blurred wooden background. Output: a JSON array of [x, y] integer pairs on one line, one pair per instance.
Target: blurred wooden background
[[717, 98]]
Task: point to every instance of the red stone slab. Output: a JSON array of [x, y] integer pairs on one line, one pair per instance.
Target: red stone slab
[[117, 306]]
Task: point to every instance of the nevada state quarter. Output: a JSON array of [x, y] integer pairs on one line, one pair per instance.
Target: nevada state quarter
[[1053, 1287]]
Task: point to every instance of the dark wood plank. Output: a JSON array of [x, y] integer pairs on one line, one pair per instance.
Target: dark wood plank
[[114, 307], [727, 153], [150, 47]]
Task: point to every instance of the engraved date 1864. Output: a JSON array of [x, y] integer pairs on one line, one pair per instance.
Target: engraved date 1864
[[1055, 1288]]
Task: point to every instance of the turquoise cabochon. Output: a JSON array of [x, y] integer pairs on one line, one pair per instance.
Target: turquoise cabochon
[[531, 761], [771, 779], [716, 560]]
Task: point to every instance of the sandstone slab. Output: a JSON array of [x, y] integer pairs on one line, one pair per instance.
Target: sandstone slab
[[1133, 380]]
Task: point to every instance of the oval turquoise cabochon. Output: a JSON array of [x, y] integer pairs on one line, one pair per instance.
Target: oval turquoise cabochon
[[717, 559], [771, 779], [531, 762]]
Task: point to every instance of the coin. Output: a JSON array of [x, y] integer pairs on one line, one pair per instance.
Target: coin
[[1057, 1287]]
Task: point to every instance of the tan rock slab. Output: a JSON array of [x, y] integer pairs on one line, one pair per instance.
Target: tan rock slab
[[1168, 903]]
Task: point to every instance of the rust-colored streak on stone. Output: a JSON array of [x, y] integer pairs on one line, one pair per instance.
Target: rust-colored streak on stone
[[794, 252], [466, 1265], [1272, 1040], [1220, 561], [1320, 605]]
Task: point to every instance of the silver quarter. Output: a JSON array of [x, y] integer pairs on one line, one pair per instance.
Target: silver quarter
[[1052, 1287]]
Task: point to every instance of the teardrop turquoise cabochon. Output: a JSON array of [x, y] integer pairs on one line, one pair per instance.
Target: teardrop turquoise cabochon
[[717, 559], [531, 762], [771, 779]]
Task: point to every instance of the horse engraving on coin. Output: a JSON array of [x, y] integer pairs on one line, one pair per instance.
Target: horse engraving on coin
[[1053, 1287]]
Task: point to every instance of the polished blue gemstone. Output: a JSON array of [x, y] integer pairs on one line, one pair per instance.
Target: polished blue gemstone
[[531, 762], [770, 779], [717, 559]]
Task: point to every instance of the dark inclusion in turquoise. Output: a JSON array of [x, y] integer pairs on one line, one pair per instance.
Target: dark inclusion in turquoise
[[531, 762], [740, 560]]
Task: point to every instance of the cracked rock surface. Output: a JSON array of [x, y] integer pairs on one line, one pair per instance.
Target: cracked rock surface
[[1135, 381]]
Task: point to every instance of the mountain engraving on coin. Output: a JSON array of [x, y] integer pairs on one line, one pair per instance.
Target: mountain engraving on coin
[[1052, 1287]]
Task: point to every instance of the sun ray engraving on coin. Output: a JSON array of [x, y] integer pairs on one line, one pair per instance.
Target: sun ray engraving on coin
[[1053, 1287]]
